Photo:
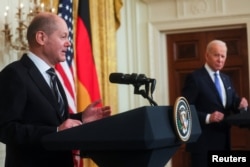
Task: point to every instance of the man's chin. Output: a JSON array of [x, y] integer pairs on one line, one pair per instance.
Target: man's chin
[[219, 68], [62, 58]]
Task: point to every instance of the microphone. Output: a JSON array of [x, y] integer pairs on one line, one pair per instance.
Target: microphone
[[133, 78]]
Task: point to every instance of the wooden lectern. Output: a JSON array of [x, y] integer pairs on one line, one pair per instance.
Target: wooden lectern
[[142, 137]]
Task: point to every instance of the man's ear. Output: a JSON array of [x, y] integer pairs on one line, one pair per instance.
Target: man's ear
[[41, 37]]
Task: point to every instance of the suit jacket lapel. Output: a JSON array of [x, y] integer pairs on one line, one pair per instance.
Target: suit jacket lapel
[[61, 89], [209, 81], [40, 81], [227, 86], [211, 84]]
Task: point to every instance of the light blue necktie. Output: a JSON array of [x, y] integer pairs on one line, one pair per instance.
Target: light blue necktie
[[217, 84]]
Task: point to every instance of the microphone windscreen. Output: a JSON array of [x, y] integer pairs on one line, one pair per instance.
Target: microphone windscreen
[[116, 78]]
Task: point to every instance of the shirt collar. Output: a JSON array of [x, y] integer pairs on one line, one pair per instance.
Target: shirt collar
[[40, 64], [210, 71]]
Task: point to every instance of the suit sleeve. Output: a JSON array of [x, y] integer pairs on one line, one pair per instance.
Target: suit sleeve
[[191, 92], [233, 97]]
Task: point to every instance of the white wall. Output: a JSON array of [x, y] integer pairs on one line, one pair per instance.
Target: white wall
[[133, 55], [11, 19]]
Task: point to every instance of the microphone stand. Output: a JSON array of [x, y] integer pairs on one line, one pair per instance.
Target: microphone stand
[[145, 93]]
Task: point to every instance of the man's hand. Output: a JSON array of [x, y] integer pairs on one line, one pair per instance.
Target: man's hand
[[69, 123], [243, 104], [93, 113], [216, 117]]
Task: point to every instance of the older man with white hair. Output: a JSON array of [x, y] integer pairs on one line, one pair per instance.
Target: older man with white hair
[[214, 97]]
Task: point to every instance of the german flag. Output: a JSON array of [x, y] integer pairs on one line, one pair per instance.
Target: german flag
[[87, 80]]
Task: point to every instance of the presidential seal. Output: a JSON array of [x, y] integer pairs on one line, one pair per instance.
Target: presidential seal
[[182, 119]]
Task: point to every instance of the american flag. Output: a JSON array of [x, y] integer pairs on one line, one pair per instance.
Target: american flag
[[65, 69]]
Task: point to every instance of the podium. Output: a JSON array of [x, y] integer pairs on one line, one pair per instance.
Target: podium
[[143, 137], [241, 120]]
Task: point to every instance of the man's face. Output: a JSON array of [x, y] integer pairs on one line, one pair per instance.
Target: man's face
[[216, 57], [57, 43]]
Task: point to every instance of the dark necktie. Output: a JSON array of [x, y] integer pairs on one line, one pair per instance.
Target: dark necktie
[[217, 84], [55, 90]]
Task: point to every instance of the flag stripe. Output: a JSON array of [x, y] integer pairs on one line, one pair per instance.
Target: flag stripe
[[84, 15]]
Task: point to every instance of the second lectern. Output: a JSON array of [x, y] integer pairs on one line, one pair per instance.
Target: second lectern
[[142, 137]]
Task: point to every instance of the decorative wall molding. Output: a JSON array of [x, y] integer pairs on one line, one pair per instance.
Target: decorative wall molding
[[198, 8]]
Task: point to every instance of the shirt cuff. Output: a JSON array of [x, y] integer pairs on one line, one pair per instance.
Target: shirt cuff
[[207, 118]]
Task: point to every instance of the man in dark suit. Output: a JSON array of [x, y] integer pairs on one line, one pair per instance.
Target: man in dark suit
[[28, 108], [212, 103]]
